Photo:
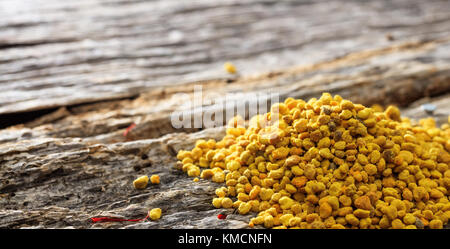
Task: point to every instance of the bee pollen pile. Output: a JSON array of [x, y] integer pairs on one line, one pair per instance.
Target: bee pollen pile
[[329, 163]]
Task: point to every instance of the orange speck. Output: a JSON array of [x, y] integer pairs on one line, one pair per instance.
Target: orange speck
[[125, 133]]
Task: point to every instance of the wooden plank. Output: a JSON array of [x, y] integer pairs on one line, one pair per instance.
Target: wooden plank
[[391, 75], [81, 165], [57, 53]]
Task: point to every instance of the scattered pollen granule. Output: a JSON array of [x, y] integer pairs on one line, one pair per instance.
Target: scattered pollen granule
[[329, 163], [229, 67], [155, 214], [154, 179], [141, 182]]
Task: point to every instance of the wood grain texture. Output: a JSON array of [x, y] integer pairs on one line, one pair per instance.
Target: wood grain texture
[[106, 64], [58, 53]]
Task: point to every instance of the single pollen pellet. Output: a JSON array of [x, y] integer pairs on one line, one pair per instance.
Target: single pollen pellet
[[334, 202], [141, 182], [351, 219], [286, 202], [339, 145], [393, 113], [345, 114], [391, 212], [370, 169], [218, 177], [194, 171], [207, 173], [409, 219], [325, 210], [233, 166], [229, 67], [155, 213], [364, 114], [154, 179], [324, 143], [244, 208], [361, 213], [217, 202], [268, 221], [346, 104], [436, 224], [397, 224], [227, 202], [325, 152]]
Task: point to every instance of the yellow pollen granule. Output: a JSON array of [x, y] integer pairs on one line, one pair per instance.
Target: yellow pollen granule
[[230, 68], [141, 182], [155, 214], [154, 179]]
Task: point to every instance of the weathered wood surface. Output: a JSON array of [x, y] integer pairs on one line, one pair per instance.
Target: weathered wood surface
[[56, 53], [75, 163]]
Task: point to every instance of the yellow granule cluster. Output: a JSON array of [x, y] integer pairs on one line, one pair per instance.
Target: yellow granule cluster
[[329, 163], [142, 181]]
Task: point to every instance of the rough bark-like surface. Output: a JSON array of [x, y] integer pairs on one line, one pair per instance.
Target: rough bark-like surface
[[57, 53], [75, 162], [391, 75]]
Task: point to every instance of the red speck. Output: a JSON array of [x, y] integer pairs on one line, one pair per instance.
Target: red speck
[[125, 133], [221, 216], [108, 219]]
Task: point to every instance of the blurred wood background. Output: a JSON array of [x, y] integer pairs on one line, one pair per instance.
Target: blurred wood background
[[75, 74]]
